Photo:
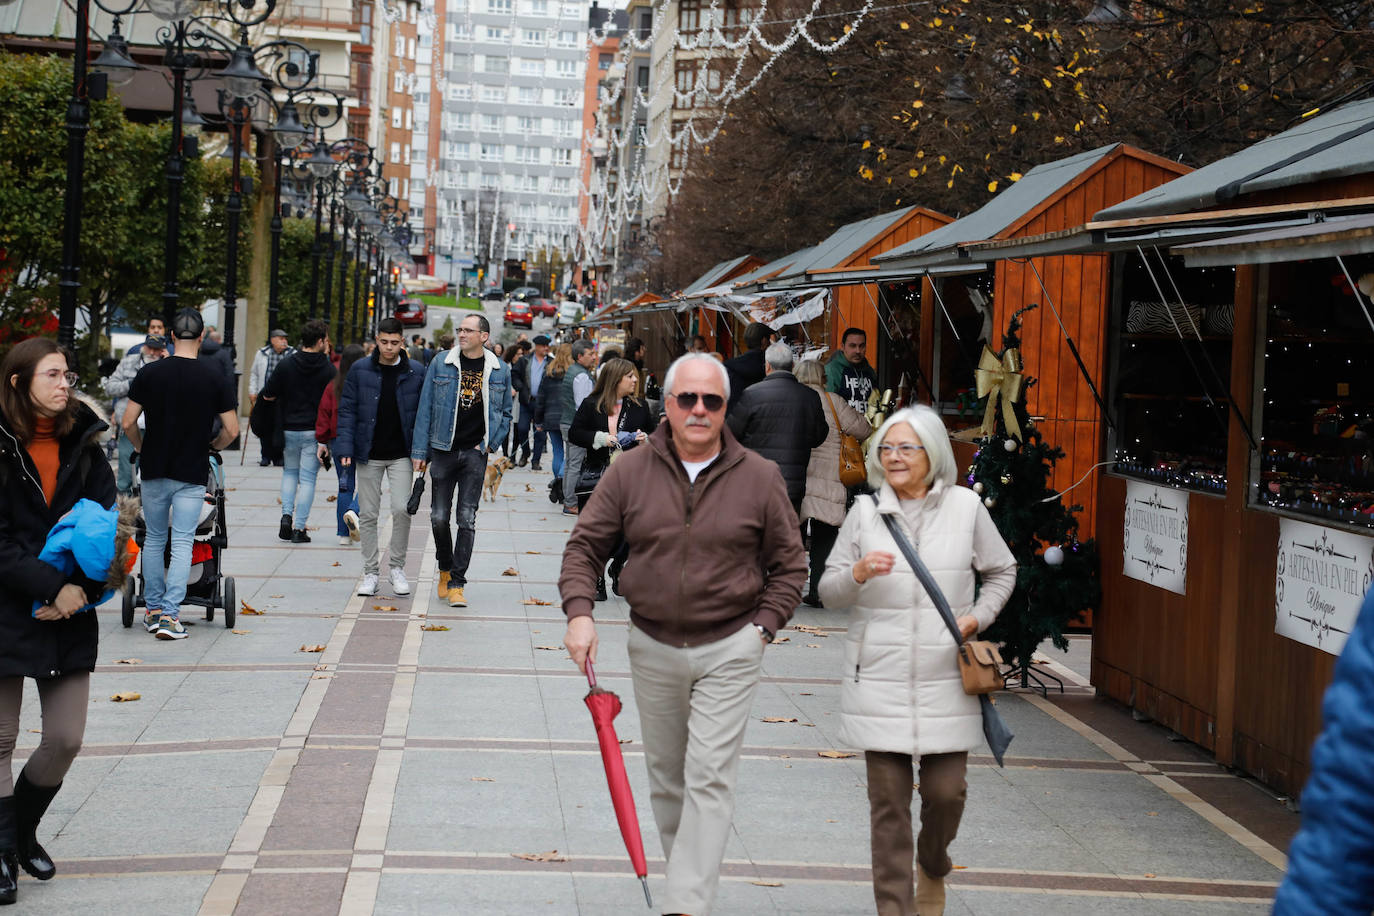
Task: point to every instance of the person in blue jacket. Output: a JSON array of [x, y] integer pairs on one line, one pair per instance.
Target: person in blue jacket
[[464, 415], [1331, 860]]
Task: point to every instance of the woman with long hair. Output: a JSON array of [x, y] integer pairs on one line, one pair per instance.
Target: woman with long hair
[[326, 431], [50, 457], [548, 404], [612, 418]]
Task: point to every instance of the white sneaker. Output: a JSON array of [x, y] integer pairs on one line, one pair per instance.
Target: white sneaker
[[345, 541], [369, 585], [399, 585], [350, 519]]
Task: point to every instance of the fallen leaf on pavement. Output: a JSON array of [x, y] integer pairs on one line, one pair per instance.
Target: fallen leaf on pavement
[[550, 856], [327, 616], [36, 731], [510, 571], [549, 648], [537, 601], [762, 883], [1149, 874], [834, 755], [331, 497], [803, 694], [276, 596], [627, 741], [1152, 814], [315, 648], [810, 630], [782, 639], [529, 489], [127, 696], [482, 779], [383, 607], [321, 667], [958, 867], [336, 563], [129, 661], [535, 552], [779, 719], [813, 645], [321, 677], [248, 610], [434, 627], [240, 632]]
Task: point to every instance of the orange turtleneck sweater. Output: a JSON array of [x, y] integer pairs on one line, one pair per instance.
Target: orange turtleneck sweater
[[43, 451]]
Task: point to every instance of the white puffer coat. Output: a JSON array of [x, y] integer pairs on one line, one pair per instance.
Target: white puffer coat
[[900, 690]]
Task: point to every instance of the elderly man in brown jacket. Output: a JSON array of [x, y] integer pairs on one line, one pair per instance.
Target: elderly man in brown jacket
[[716, 569]]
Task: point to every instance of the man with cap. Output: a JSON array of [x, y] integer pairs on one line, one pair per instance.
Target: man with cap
[[528, 373], [180, 398], [152, 349], [265, 362]]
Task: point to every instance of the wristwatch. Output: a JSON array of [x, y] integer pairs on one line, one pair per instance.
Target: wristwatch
[[763, 631]]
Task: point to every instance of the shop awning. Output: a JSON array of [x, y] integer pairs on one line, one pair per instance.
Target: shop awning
[[1337, 236], [840, 246], [1335, 144], [945, 247], [716, 275]]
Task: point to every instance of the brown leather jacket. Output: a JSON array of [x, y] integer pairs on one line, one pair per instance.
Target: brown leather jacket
[[706, 558]]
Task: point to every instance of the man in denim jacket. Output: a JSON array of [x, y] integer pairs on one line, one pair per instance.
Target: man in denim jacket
[[464, 412]]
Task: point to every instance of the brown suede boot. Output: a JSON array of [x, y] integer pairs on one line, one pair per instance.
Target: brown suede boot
[[930, 894]]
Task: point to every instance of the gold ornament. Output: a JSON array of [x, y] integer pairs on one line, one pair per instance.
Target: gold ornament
[[1006, 479], [1000, 379]]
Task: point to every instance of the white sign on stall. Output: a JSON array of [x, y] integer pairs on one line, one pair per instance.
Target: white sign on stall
[[1323, 574], [1154, 546]]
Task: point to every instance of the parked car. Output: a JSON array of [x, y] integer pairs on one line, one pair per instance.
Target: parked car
[[544, 308], [523, 294], [519, 313], [569, 313], [411, 313], [493, 294]]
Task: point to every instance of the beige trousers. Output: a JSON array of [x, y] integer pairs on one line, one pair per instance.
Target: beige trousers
[[943, 789], [693, 706]]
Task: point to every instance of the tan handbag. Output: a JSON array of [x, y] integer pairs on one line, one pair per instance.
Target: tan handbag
[[852, 470], [980, 667]]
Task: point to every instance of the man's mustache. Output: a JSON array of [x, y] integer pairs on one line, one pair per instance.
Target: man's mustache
[[697, 421]]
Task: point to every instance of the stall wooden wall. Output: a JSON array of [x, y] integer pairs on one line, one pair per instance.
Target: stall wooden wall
[[1080, 288], [856, 306]]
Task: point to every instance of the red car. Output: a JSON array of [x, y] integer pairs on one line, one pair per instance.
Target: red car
[[543, 308], [519, 313], [411, 313]]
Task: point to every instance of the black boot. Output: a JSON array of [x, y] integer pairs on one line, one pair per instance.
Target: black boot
[[30, 804], [617, 566], [600, 588], [284, 530], [9, 860]]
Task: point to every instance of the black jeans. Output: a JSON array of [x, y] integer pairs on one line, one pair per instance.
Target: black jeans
[[522, 435], [459, 473]]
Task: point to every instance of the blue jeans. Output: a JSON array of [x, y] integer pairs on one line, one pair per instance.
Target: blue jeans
[[175, 505], [298, 476], [348, 495], [556, 446], [124, 480]]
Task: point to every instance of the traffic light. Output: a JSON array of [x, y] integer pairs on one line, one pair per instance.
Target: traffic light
[[522, 265]]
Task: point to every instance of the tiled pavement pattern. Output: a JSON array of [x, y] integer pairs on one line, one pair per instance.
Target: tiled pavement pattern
[[401, 771]]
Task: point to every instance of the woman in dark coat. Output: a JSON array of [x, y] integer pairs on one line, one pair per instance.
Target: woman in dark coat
[[548, 405], [612, 418], [50, 458]]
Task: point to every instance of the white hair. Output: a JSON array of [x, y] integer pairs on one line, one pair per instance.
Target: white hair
[[707, 358], [930, 429], [778, 356]]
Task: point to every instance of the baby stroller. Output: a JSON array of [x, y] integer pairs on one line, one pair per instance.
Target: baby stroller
[[206, 586]]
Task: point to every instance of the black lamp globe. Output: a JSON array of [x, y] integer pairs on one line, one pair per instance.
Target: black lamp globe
[[114, 60], [289, 132], [242, 77]]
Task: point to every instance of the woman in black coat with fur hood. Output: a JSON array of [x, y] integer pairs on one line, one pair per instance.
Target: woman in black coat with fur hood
[[49, 459]]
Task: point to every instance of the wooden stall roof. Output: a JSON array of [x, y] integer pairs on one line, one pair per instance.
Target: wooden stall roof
[[723, 272], [1333, 145]]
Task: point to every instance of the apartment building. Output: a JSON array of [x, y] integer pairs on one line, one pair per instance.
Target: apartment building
[[508, 155]]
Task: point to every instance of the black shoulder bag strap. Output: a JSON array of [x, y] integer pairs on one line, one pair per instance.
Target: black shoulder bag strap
[[994, 729]]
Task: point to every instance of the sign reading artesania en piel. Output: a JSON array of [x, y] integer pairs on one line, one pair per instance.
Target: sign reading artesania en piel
[[1155, 543], [1322, 577]]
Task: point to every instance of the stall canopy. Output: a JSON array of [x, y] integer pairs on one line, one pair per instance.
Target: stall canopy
[[723, 272], [1331, 237], [841, 246]]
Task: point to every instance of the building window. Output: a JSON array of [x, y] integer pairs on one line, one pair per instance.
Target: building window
[[646, 24], [495, 63], [562, 157], [406, 160], [642, 78], [396, 117], [410, 119], [539, 7], [527, 125], [398, 81], [498, 6], [527, 154], [566, 97], [490, 181], [393, 186], [459, 120], [531, 66], [567, 39], [491, 152], [604, 61], [560, 186], [532, 37], [495, 33], [528, 95], [460, 91], [461, 31], [493, 94], [400, 45], [564, 128], [641, 134], [410, 49], [492, 123], [567, 67], [677, 159], [688, 15], [396, 152], [458, 150]]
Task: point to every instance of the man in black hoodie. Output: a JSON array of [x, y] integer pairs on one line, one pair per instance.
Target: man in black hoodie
[[747, 368], [297, 384]]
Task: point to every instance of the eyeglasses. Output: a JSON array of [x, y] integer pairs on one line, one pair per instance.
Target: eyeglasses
[[688, 401], [907, 450], [52, 375]]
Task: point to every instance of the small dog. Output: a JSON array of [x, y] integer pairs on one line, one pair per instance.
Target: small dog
[[492, 482]]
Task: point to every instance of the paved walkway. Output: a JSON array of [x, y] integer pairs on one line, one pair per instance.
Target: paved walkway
[[404, 770]]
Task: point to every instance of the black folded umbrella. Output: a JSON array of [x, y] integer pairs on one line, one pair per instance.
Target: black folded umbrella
[[413, 504]]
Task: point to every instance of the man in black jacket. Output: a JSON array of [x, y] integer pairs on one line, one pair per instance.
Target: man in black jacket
[[298, 383], [782, 420], [748, 368]]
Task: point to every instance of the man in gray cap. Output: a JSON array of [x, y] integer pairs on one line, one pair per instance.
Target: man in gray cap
[[152, 349], [264, 364]]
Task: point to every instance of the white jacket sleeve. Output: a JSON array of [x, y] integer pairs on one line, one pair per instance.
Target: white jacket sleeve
[[996, 564], [837, 585], [256, 374]]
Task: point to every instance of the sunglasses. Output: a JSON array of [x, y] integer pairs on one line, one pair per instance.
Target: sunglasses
[[688, 401]]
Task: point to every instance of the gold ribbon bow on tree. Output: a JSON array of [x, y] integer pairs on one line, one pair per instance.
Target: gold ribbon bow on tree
[[1000, 379]]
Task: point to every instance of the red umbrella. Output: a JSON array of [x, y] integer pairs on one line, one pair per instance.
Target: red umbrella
[[605, 706]]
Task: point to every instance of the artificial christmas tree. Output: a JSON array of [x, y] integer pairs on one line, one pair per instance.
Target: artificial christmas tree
[[1057, 575]]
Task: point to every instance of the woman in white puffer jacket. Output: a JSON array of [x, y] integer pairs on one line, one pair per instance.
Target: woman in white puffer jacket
[[901, 698]]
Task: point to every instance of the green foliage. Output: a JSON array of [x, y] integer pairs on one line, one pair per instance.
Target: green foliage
[[1031, 518]]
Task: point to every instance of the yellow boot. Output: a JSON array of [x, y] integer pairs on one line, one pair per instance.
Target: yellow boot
[[930, 894], [443, 585]]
